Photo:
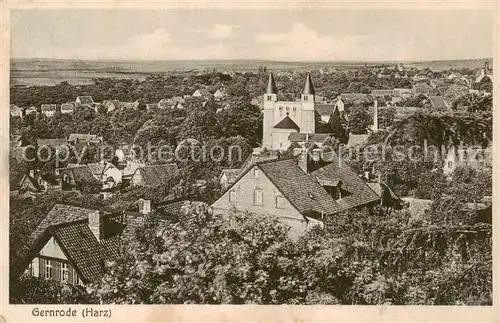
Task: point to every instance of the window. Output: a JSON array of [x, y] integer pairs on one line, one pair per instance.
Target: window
[[281, 111], [305, 97], [256, 173], [64, 272], [450, 164], [280, 202], [48, 269], [232, 196], [257, 197], [287, 109], [294, 110], [269, 97]]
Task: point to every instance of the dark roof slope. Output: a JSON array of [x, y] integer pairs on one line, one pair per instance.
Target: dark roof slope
[[361, 194], [271, 85], [253, 159], [85, 99], [308, 87], [54, 143], [300, 189], [157, 174], [324, 108], [287, 123], [438, 102]]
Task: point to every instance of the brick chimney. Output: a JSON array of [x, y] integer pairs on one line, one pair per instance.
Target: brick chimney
[[144, 206], [301, 158], [96, 224], [486, 66]]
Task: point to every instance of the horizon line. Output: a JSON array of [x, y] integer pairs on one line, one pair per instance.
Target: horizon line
[[252, 59]]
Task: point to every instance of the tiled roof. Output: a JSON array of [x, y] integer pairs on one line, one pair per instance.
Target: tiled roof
[[108, 103], [85, 99], [128, 105], [157, 174], [202, 92], [49, 107], [69, 226], [361, 194], [81, 174], [54, 143], [173, 209], [381, 92], [97, 168], [324, 109], [299, 188], [152, 106], [61, 213], [437, 102], [300, 136], [287, 123]]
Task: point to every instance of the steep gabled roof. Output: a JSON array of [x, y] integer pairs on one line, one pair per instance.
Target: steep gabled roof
[[438, 102], [287, 123], [361, 194], [299, 188], [253, 159], [324, 108], [69, 226], [85, 99]]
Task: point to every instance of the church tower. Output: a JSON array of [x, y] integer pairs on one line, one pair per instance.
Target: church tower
[[270, 99], [307, 99]]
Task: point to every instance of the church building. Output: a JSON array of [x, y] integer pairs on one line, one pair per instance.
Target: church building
[[281, 118]]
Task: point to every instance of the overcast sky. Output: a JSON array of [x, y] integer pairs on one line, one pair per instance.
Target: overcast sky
[[292, 35]]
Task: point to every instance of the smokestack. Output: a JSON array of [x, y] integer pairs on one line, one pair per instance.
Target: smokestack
[[96, 225], [375, 116], [486, 66], [144, 206]]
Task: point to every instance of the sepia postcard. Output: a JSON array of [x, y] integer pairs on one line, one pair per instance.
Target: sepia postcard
[[274, 161]]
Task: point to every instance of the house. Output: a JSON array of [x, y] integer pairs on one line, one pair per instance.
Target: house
[[153, 175], [16, 111], [421, 88], [228, 176], [68, 107], [72, 243], [387, 196], [111, 105], [49, 109], [123, 152], [474, 157], [180, 101], [107, 173], [130, 168], [484, 72], [438, 103], [34, 182], [79, 177], [454, 92], [129, 105], [84, 100], [81, 138], [220, 93], [379, 93], [202, 93], [286, 189], [303, 138], [167, 104], [31, 110], [326, 110]]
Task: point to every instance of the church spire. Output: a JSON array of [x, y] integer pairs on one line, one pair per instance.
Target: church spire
[[308, 87], [271, 86]]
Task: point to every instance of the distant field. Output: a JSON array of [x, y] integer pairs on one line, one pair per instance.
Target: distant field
[[51, 72]]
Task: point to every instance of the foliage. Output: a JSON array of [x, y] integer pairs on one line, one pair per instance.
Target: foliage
[[360, 120]]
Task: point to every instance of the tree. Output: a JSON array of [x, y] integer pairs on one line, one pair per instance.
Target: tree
[[359, 120], [201, 124]]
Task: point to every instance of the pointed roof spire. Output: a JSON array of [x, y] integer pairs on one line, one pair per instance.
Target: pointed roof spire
[[308, 87], [271, 86]]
